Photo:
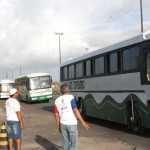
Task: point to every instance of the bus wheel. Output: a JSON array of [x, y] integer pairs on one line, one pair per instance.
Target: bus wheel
[[27, 99], [135, 120], [19, 98], [47, 101]]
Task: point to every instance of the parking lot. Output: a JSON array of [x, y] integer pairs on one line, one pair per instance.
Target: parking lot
[[41, 133]]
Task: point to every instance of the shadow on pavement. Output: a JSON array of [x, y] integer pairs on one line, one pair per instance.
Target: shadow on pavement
[[116, 126], [49, 108], [47, 145]]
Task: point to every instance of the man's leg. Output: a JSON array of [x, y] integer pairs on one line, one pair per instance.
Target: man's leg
[[10, 134], [64, 137], [18, 142], [73, 136], [10, 142], [17, 134]]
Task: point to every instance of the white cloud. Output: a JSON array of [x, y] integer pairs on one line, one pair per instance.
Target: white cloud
[[28, 29]]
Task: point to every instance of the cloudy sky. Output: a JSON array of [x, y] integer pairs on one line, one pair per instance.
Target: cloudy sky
[[27, 31]]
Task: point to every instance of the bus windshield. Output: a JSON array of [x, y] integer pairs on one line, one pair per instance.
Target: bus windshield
[[5, 87], [40, 82]]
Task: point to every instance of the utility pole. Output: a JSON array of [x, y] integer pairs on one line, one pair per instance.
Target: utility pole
[[141, 16]]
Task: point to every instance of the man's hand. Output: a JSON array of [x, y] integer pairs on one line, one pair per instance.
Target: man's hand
[[22, 125], [85, 125], [76, 111]]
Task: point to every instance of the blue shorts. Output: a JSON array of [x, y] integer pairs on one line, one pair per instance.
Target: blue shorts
[[14, 130]]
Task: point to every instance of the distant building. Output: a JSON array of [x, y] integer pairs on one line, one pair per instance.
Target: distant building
[[55, 86]]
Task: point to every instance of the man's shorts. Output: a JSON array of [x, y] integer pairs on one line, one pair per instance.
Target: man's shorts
[[14, 130]]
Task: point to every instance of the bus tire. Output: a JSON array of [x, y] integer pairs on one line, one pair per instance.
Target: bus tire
[[47, 101], [135, 125], [19, 98], [27, 99]]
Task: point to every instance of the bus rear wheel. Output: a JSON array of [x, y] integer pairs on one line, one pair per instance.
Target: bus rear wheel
[[47, 101], [19, 98], [135, 120], [27, 99]]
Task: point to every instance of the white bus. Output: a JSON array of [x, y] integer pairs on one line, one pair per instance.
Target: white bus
[[5, 86], [34, 87], [113, 83]]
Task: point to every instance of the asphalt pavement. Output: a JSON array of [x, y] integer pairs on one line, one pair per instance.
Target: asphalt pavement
[[41, 133]]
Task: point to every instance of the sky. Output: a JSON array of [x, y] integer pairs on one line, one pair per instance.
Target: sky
[[28, 42]]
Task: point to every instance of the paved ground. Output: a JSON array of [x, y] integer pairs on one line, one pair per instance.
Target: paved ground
[[40, 132]]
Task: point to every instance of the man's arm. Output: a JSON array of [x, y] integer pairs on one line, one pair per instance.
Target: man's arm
[[76, 111], [57, 120], [20, 119]]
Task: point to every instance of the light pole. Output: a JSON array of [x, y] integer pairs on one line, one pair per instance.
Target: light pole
[[59, 34], [141, 16]]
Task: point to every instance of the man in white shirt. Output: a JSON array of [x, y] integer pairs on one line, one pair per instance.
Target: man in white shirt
[[65, 109], [14, 119]]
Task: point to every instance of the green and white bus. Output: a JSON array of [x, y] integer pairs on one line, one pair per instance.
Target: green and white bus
[[34, 87], [113, 83], [5, 86]]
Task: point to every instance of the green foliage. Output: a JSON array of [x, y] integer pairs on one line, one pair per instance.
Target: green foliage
[[56, 91]]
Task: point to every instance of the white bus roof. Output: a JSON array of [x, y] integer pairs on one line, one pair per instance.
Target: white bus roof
[[33, 75], [137, 39], [6, 81]]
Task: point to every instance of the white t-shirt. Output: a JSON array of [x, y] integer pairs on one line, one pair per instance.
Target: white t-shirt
[[12, 106], [64, 105]]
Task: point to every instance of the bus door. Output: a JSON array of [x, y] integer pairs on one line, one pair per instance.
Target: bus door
[[145, 66]]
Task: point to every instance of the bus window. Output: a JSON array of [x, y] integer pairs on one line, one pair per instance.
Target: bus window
[[34, 83], [5, 86], [45, 82], [131, 59], [99, 65], [79, 70], [88, 67], [112, 62], [71, 72], [65, 73]]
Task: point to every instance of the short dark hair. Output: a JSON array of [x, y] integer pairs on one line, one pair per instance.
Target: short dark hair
[[12, 95], [64, 88]]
